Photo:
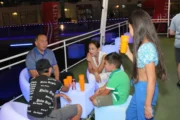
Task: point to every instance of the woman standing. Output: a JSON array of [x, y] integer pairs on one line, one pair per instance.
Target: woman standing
[[147, 64]]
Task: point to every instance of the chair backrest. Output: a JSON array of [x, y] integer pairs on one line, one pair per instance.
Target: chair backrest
[[25, 74], [13, 111], [20, 108], [117, 42], [109, 49], [24, 83]]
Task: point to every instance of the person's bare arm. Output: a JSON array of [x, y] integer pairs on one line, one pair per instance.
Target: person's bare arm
[[93, 65], [90, 67], [56, 72], [172, 32], [64, 96], [151, 76], [129, 54], [97, 76], [173, 26], [99, 92], [102, 64], [89, 59], [33, 73], [65, 89], [104, 92]]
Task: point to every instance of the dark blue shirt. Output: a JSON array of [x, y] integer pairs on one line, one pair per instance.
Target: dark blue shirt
[[34, 55]]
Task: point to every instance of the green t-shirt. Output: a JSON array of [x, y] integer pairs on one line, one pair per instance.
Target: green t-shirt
[[119, 84]]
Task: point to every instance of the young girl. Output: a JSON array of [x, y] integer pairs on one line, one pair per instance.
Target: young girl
[[147, 62], [96, 64]]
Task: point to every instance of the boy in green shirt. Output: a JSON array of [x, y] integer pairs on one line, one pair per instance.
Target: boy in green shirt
[[116, 90]]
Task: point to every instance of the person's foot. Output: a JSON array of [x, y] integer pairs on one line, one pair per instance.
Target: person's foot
[[178, 84]]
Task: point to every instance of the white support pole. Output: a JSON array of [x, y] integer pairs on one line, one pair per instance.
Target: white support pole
[[169, 8], [65, 56], [103, 21]]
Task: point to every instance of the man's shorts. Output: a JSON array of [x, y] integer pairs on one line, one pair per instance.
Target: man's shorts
[[64, 113], [177, 54], [104, 100]]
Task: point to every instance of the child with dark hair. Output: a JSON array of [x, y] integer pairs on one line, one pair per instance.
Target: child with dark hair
[[147, 65], [42, 93], [116, 90]]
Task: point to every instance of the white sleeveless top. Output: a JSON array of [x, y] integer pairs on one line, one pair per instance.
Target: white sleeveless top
[[100, 57]]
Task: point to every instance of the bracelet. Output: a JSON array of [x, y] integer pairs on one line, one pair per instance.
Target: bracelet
[[147, 108]]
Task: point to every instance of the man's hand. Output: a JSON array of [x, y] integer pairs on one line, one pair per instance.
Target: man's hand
[[66, 98], [100, 90], [33, 73], [57, 78], [92, 97], [65, 89], [89, 57]]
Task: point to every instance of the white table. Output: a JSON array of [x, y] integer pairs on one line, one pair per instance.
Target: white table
[[82, 98]]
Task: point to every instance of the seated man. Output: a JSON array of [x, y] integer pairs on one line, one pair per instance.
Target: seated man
[[116, 90], [39, 52], [42, 93]]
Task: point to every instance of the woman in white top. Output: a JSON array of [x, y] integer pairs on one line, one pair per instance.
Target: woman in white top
[[96, 64]]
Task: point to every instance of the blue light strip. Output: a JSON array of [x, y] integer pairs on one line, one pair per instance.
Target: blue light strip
[[19, 45]]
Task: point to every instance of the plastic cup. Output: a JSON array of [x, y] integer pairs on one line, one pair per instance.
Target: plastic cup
[[82, 84], [81, 77], [69, 78], [66, 82], [124, 43]]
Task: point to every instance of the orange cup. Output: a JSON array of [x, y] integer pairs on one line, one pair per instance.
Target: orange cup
[[124, 43], [81, 77], [82, 84], [69, 78], [66, 82]]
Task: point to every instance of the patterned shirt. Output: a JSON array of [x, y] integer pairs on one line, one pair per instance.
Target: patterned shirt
[[146, 54], [42, 92]]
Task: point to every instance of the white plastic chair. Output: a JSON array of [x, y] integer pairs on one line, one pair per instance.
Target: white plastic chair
[[114, 112], [109, 49], [24, 83], [14, 111]]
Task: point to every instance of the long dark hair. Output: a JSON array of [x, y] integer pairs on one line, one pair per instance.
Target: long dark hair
[[96, 43], [143, 28]]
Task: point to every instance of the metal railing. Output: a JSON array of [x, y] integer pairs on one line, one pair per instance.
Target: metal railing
[[65, 44], [85, 36], [82, 38]]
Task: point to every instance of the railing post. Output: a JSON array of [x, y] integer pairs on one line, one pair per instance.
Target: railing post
[[167, 29], [119, 29], [65, 55], [168, 23]]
